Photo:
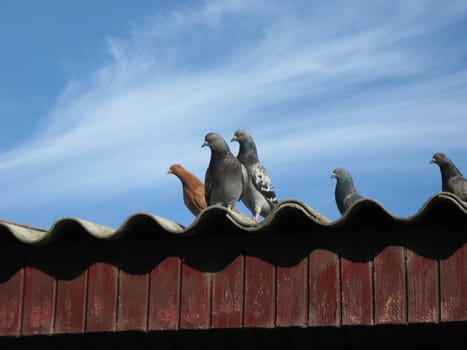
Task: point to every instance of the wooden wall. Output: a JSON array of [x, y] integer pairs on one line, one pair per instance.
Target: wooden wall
[[293, 275]]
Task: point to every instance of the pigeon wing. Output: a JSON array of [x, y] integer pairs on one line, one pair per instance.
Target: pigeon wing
[[459, 187], [464, 191], [207, 187], [263, 183], [199, 199], [349, 199], [245, 178]]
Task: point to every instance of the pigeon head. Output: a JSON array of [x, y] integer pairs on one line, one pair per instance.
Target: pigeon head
[[247, 146], [341, 175], [439, 158], [215, 142], [175, 169], [447, 167], [241, 136], [244, 138]]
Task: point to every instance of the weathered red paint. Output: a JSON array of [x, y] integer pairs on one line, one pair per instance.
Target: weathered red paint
[[133, 286], [318, 278], [356, 275], [422, 276], [389, 278], [227, 279], [39, 292], [102, 291], [260, 284], [11, 290], [195, 308], [164, 294], [70, 316], [324, 281], [453, 274], [292, 281]]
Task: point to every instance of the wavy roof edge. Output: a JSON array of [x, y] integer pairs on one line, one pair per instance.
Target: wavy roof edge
[[358, 212]]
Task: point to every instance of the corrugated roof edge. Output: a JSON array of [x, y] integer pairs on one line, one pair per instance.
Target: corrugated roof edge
[[363, 211]]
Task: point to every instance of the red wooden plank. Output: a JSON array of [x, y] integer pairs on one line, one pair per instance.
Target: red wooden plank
[[292, 280], [39, 291], [11, 290], [133, 302], [453, 275], [389, 277], [102, 288], [71, 305], [260, 283], [133, 286], [292, 295], [422, 276], [164, 294], [228, 269], [195, 306], [70, 316], [228, 295], [324, 280], [356, 275]]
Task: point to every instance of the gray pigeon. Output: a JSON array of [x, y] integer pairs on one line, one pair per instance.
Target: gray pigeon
[[345, 192], [452, 179], [259, 196], [225, 177]]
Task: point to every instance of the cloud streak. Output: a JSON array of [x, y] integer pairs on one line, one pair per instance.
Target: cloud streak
[[310, 83]]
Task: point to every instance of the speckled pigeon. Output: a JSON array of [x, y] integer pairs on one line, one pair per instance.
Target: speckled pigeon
[[452, 179], [259, 196], [345, 192], [226, 177]]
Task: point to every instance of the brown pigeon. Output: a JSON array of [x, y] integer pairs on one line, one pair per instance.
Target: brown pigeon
[[193, 189], [452, 179]]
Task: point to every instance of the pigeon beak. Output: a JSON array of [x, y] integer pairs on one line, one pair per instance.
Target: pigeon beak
[[205, 143], [234, 139], [333, 176], [433, 160], [168, 172]]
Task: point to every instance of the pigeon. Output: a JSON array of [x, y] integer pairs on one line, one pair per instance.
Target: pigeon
[[193, 189], [226, 177], [346, 193], [259, 196], [452, 179]]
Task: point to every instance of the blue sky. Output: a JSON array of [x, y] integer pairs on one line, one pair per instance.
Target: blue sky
[[99, 98]]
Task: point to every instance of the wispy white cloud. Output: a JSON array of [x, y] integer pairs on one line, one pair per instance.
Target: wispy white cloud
[[311, 82]]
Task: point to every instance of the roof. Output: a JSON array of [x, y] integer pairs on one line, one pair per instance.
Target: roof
[[442, 208], [296, 274]]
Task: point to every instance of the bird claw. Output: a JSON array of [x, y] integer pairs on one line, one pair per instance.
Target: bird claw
[[255, 218]]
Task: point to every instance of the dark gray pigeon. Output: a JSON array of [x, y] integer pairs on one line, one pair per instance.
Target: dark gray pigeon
[[225, 177], [452, 179], [259, 196], [345, 192]]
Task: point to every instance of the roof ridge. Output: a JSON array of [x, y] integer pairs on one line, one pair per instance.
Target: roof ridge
[[358, 212]]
